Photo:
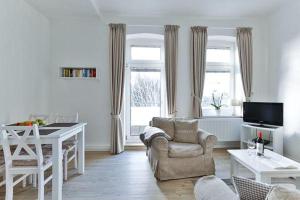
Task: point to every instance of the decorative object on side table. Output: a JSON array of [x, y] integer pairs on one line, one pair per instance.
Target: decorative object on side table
[[217, 102], [236, 103]]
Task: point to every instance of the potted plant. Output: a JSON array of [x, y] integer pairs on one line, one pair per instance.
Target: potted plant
[[217, 102]]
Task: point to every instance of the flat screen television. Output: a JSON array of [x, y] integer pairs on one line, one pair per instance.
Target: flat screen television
[[263, 113]]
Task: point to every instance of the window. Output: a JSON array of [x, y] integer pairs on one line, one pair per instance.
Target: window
[[144, 96], [219, 55], [222, 79], [145, 53]]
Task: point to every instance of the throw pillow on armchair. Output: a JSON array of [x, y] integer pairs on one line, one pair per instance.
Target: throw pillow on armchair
[[186, 131]]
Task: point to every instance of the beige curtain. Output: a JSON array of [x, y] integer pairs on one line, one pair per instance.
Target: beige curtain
[[117, 39], [244, 43], [171, 57], [198, 63]]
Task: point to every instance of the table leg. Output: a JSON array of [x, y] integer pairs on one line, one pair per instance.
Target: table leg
[[81, 151], [297, 182], [233, 166], [263, 179], [57, 170]]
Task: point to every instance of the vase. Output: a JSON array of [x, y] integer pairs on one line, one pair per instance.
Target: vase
[[218, 111]]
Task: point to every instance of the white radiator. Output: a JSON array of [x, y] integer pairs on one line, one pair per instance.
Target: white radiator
[[226, 129]]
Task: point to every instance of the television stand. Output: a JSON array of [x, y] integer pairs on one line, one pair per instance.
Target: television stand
[[272, 133], [263, 126]]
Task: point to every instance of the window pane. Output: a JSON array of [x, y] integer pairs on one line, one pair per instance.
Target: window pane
[[145, 99], [217, 83], [145, 53], [218, 55]]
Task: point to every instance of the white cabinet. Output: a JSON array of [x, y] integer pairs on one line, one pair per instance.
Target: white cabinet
[[272, 133]]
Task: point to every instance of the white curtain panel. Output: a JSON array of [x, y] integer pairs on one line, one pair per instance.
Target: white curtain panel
[[171, 61], [198, 64], [117, 40], [244, 43]]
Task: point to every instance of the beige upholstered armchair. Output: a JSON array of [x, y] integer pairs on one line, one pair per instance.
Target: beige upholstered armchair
[[184, 152]]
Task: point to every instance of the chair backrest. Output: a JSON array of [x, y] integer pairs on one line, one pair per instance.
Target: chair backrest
[[21, 143], [67, 118], [39, 116]]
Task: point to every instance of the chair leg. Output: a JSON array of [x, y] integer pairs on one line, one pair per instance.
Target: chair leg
[[75, 158], [65, 167], [30, 179], [34, 180], [24, 182], [41, 185], [9, 187]]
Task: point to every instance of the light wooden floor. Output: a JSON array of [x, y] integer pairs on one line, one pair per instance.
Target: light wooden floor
[[127, 176]]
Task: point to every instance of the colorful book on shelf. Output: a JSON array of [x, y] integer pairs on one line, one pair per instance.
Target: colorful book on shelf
[[79, 72], [94, 73]]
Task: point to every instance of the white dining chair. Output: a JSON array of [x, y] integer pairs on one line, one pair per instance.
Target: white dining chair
[[26, 159], [2, 171], [70, 145], [44, 117], [2, 166]]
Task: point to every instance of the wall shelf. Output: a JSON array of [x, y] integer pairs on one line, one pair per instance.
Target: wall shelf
[[78, 73]]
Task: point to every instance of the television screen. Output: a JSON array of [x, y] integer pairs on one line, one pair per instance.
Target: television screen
[[263, 113]]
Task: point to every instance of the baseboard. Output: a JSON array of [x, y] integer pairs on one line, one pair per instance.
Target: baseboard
[[135, 147], [142, 147], [97, 147]]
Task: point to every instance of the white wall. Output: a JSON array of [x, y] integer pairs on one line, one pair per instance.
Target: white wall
[[284, 45], [84, 41], [24, 59]]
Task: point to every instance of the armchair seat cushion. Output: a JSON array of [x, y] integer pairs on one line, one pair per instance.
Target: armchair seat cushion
[[184, 150]]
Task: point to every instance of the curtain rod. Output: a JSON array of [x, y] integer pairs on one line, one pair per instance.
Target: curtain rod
[[161, 26]]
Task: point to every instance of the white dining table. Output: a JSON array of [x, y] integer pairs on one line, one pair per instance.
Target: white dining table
[[55, 134], [60, 133]]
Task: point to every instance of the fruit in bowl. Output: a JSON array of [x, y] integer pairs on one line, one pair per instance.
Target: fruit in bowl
[[38, 122], [25, 123]]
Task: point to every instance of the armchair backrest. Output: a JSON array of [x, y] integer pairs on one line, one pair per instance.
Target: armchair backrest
[[179, 129], [166, 124]]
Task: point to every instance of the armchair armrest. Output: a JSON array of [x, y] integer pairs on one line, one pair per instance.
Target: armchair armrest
[[207, 141], [160, 143]]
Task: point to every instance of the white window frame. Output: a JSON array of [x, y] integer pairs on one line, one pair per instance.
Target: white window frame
[[146, 44], [215, 67], [141, 64]]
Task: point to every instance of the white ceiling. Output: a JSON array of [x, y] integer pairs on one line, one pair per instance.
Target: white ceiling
[[144, 8], [58, 8]]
